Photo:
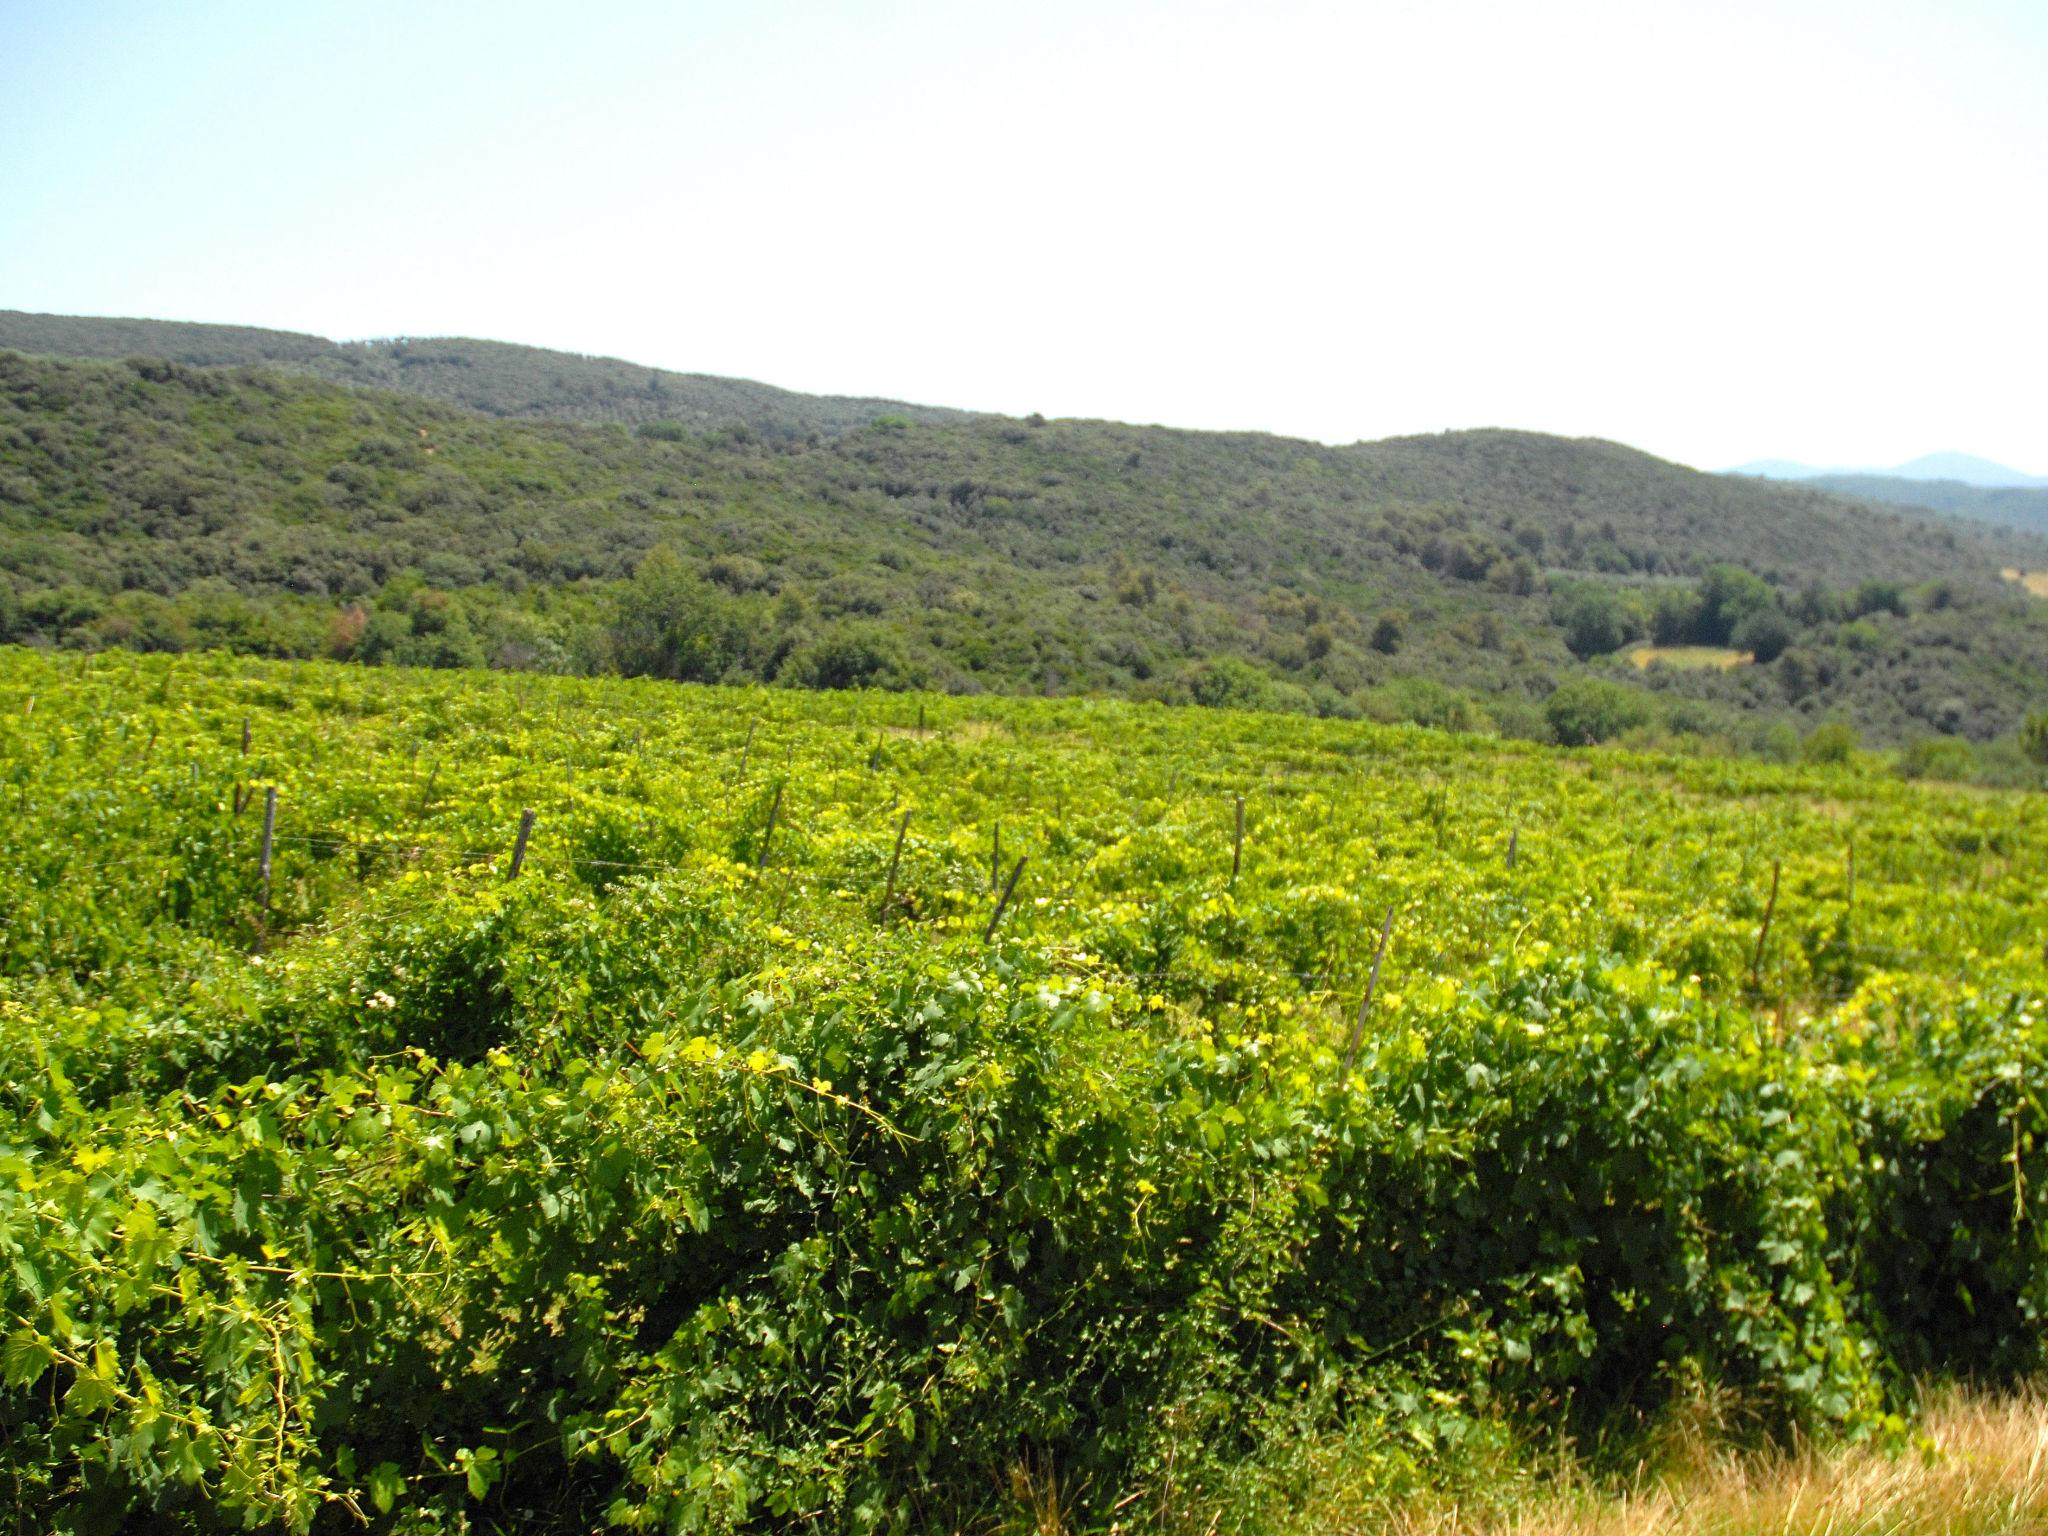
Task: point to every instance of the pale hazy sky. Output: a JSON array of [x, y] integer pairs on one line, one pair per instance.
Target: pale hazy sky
[[1716, 231]]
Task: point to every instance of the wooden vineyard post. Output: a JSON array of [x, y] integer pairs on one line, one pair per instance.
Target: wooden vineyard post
[[1763, 934], [1237, 843], [1514, 837], [519, 845], [920, 721], [768, 832], [747, 751], [269, 836], [245, 735], [896, 858], [1002, 902], [1372, 983]]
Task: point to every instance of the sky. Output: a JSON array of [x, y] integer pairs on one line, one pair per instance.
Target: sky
[[1719, 232]]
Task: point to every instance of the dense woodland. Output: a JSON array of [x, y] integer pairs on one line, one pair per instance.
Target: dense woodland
[[490, 377], [1487, 580], [2013, 506]]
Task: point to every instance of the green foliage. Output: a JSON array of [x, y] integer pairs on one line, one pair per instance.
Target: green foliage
[[1676, 617], [1948, 1130], [853, 655], [1778, 742], [668, 622], [2012, 505], [1938, 757], [1595, 619], [1877, 597], [1832, 742], [1227, 683], [2034, 738], [490, 377], [1764, 634], [665, 1188], [167, 506], [1586, 710], [1424, 702], [1729, 597]]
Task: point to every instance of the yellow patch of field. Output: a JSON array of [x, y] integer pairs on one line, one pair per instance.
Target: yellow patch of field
[[1691, 656], [2035, 582], [959, 730]]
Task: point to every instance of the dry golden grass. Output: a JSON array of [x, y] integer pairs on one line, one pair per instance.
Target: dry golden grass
[[1977, 1465], [1980, 1468], [959, 730], [2035, 582], [1690, 656]]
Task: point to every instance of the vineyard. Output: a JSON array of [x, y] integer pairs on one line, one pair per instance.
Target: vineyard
[[442, 1101]]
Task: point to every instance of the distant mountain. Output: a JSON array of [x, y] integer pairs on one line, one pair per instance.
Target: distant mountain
[[490, 377], [1963, 468], [1966, 468], [1776, 469]]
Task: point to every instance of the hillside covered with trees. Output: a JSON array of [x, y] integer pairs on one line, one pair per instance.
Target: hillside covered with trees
[[490, 377], [2015, 506], [1491, 580]]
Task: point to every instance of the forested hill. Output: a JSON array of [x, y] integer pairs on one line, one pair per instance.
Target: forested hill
[[1605, 508], [2015, 506], [1503, 472], [495, 378], [1469, 579]]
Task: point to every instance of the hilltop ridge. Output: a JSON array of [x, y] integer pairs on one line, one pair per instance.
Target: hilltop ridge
[[2012, 506], [494, 378], [1457, 580]]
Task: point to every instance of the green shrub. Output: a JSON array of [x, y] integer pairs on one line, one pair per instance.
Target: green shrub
[[1595, 619], [1228, 683], [1952, 1094], [851, 656], [2033, 736], [1938, 757], [1602, 1170], [1764, 634], [1586, 710], [1832, 742], [1422, 701]]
